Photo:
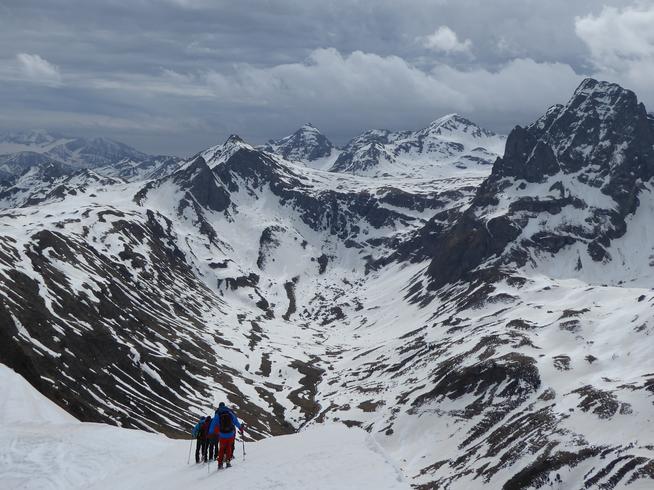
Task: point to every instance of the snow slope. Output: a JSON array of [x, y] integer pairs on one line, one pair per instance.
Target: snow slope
[[42, 447]]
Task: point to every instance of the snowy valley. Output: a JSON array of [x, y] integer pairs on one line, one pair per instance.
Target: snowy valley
[[479, 318]]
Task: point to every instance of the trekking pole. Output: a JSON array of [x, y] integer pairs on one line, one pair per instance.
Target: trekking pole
[[243, 441], [188, 461]]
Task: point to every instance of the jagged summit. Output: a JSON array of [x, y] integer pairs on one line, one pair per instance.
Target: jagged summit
[[602, 128], [593, 156], [219, 154]]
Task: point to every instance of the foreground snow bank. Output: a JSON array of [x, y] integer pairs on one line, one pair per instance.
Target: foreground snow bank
[[20, 402], [43, 447]]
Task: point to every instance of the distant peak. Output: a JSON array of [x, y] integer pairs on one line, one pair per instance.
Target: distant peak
[[234, 139], [308, 127], [451, 118], [456, 123], [305, 144]]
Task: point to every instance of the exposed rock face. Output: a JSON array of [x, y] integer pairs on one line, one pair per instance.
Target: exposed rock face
[[201, 183], [600, 143], [306, 144]]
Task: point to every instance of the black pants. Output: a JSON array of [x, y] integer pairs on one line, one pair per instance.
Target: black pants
[[201, 448], [212, 442]]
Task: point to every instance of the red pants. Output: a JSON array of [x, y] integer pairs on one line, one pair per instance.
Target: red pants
[[226, 449]]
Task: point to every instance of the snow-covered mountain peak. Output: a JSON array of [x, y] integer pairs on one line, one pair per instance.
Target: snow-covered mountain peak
[[604, 101], [307, 145], [234, 139], [446, 147], [308, 127], [457, 124], [219, 154]]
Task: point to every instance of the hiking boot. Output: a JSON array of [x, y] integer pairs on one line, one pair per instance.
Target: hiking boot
[[220, 466], [229, 465]]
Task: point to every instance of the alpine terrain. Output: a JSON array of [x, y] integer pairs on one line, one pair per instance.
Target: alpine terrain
[[479, 305]]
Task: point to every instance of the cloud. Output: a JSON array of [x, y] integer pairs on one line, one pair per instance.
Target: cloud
[[342, 93], [334, 89], [618, 36], [261, 68], [445, 40], [621, 44], [37, 69], [81, 121]]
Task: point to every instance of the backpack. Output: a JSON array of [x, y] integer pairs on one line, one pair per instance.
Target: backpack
[[226, 423], [205, 427]]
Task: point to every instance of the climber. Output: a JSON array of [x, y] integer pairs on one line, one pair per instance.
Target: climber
[[224, 426], [212, 441], [204, 432], [199, 438]]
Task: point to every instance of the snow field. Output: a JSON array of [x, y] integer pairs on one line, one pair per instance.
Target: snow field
[[43, 447]]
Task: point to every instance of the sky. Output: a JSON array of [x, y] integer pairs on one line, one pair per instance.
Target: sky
[[176, 76]]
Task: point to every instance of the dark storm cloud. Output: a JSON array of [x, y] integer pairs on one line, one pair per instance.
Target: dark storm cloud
[[177, 75]]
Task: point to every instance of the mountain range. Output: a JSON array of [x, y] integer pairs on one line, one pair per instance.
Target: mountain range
[[22, 151], [480, 304]]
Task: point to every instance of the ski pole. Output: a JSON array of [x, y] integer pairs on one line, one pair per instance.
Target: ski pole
[[243, 441], [188, 461]]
